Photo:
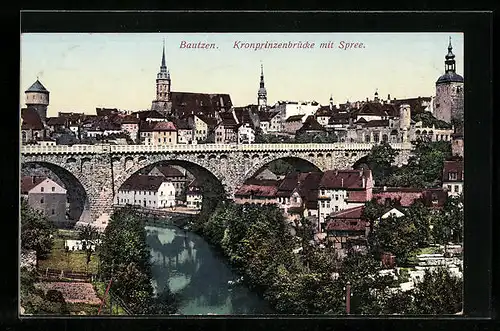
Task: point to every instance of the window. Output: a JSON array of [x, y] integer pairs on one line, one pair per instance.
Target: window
[[52, 212], [322, 204], [328, 204], [336, 208], [336, 197], [41, 200], [42, 189], [449, 187], [53, 189], [452, 176], [456, 188]]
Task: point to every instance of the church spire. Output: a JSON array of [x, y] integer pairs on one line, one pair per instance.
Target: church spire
[[163, 56], [261, 76], [449, 63], [262, 93]]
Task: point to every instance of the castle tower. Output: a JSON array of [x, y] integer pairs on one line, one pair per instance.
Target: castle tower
[[376, 96], [37, 96], [449, 101], [331, 102], [262, 93], [404, 121]]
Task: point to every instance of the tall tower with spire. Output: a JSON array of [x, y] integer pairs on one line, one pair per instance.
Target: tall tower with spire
[[449, 101], [262, 93], [163, 84]]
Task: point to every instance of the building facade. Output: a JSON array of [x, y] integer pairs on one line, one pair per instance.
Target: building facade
[[343, 189], [453, 177], [147, 191], [47, 196]]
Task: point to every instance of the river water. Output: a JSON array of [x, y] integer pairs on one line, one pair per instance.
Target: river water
[[198, 274]]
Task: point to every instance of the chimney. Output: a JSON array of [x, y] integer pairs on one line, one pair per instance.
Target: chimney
[[33, 179], [385, 188], [388, 97], [342, 182]]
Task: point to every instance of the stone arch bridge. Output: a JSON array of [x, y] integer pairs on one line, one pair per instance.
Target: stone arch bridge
[[93, 174]]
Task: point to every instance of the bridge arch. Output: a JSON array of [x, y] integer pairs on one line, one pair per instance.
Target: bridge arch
[[76, 186], [210, 179], [304, 161]]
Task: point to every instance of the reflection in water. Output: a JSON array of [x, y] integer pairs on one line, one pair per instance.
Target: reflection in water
[[191, 268]]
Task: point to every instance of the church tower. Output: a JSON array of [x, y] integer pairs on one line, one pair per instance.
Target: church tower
[[37, 97], [163, 84], [449, 101], [262, 93]]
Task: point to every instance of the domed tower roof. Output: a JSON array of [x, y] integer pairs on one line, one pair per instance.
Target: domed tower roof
[[37, 87], [449, 64]]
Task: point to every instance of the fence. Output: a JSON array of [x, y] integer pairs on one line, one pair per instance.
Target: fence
[[58, 274]]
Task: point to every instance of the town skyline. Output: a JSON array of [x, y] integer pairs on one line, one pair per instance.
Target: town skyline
[[123, 74]]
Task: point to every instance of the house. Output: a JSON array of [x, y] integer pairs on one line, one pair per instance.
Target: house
[[226, 132], [453, 177], [311, 126], [201, 125], [171, 174], [158, 133], [393, 212], [194, 195], [269, 121], [324, 113], [292, 108], [130, 125], [406, 196], [32, 127], [343, 189], [297, 195], [47, 196], [184, 132], [57, 124], [346, 227], [246, 134], [146, 191], [256, 194], [293, 123]]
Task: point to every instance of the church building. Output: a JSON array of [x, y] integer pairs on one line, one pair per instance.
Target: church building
[[184, 104]]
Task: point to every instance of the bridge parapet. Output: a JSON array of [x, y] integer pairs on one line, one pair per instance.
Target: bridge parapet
[[200, 148]]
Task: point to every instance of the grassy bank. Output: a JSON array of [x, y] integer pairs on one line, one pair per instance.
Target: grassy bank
[[72, 260]]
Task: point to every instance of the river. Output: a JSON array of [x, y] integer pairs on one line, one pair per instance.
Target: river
[[198, 274]]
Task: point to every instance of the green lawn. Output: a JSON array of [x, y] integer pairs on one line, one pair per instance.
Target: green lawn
[[72, 260]]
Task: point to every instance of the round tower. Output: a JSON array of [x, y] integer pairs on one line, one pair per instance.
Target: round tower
[[449, 101], [37, 96]]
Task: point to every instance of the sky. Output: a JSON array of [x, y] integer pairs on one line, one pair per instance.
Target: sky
[[87, 70]]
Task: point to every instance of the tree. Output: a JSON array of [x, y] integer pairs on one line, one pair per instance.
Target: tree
[[380, 161], [419, 215], [397, 235], [90, 235], [280, 167], [125, 258], [439, 293], [367, 285], [36, 231]]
